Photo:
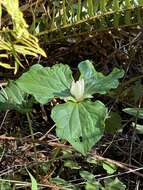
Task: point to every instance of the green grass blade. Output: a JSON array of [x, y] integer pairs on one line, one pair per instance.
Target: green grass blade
[[33, 181]]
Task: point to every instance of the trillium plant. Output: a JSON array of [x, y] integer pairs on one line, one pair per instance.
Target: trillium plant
[[79, 120]]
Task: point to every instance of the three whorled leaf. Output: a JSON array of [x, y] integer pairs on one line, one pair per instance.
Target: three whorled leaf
[[46, 83], [96, 82], [79, 121]]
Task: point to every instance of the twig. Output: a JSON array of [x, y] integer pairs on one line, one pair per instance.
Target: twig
[[4, 137], [19, 183], [45, 135], [4, 119], [119, 164]]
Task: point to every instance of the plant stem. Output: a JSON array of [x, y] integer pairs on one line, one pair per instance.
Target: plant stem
[[34, 147], [55, 154]]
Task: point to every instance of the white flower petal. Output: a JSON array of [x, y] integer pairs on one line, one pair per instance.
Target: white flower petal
[[77, 89]]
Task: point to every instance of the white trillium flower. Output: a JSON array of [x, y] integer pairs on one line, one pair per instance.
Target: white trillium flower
[[77, 89]]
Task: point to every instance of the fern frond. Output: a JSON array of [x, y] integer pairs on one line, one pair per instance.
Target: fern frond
[[96, 15]]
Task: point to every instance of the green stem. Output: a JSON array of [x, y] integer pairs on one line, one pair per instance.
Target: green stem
[[55, 154], [34, 147]]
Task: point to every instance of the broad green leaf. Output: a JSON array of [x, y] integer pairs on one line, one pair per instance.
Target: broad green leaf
[[87, 176], [57, 81], [109, 167], [93, 186], [63, 183], [72, 164], [113, 123], [92, 160], [91, 183], [96, 82], [67, 153], [80, 123], [137, 112], [33, 181], [46, 83], [138, 128], [12, 97], [114, 184]]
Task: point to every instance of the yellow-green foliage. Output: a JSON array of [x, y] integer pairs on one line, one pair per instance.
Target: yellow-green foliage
[[18, 40]]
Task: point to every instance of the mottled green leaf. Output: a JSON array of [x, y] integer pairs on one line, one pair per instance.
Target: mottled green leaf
[[65, 185], [93, 186], [109, 167], [80, 123], [96, 82], [87, 176], [46, 83], [72, 164], [114, 184], [91, 183], [92, 160]]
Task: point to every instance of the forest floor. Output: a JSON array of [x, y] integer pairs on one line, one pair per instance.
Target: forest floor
[[121, 144]]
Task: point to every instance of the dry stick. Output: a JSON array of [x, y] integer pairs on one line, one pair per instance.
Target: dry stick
[[110, 144], [17, 168], [120, 174], [49, 142], [28, 183], [46, 134], [4, 119], [4, 138], [119, 164]]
